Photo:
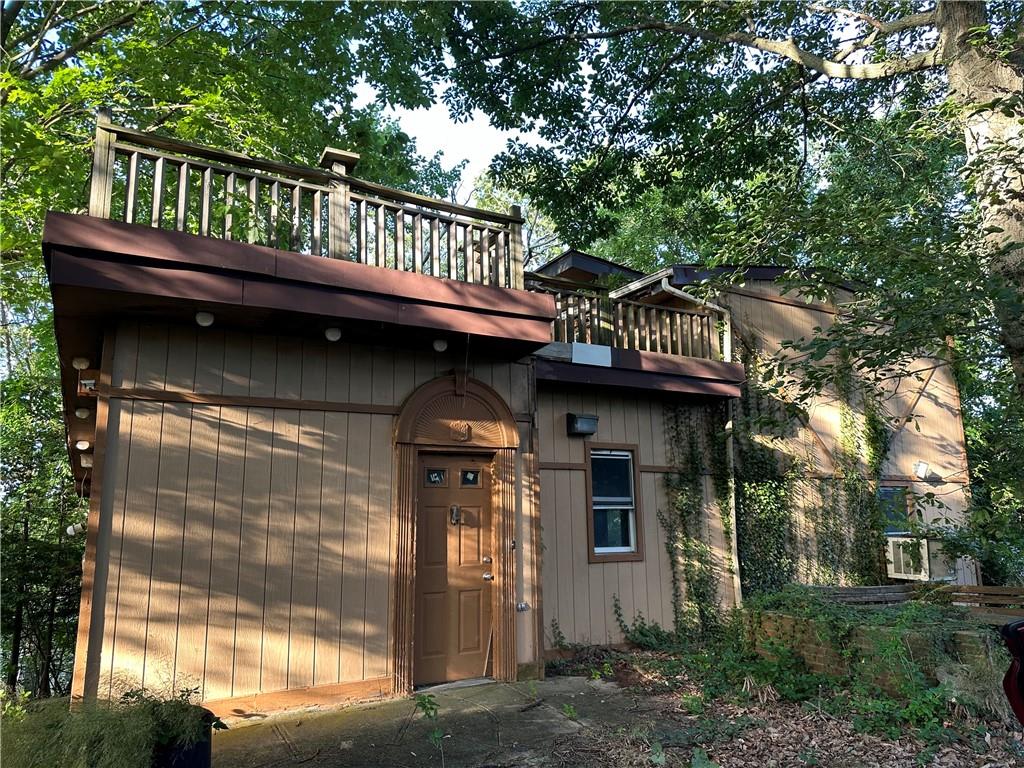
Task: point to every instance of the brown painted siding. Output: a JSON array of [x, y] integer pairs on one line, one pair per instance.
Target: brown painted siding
[[246, 549], [927, 393], [578, 594]]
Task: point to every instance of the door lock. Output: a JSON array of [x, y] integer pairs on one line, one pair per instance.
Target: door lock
[[488, 559], [456, 514], [488, 576]]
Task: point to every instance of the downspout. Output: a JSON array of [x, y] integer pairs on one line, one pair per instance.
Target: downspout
[[730, 449]]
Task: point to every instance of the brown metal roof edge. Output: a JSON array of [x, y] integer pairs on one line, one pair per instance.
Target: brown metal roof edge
[[550, 370], [76, 231]]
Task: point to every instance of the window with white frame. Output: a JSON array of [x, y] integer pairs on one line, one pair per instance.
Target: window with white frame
[[614, 502]]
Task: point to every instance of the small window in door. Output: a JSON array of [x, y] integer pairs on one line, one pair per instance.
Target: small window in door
[[469, 478], [614, 503], [435, 478]]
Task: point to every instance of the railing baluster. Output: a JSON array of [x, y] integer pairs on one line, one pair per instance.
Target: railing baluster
[[516, 242], [501, 254], [362, 249], [158, 192], [132, 190], [316, 228], [486, 267], [399, 241], [295, 233], [181, 210], [417, 243], [229, 206], [380, 258], [253, 213], [469, 249], [453, 255], [205, 202], [275, 203], [435, 248]]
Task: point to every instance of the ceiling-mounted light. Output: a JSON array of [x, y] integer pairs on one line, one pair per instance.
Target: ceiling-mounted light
[[440, 345], [82, 413], [204, 319], [332, 334], [80, 363], [86, 459], [82, 445]]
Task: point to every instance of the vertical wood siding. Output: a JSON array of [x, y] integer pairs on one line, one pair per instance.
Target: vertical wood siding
[[245, 549], [578, 594]]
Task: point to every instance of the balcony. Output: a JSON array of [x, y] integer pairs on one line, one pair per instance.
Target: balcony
[[140, 178]]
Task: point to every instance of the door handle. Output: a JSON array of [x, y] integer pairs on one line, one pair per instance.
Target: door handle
[[456, 514], [488, 576]]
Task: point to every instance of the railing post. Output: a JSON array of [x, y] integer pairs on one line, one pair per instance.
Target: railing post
[[516, 242], [338, 237], [102, 183]]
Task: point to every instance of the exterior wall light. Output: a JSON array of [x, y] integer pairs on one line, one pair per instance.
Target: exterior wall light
[[580, 424], [204, 319], [921, 470], [74, 530], [440, 345], [332, 334], [86, 459], [82, 413], [80, 363], [82, 445]]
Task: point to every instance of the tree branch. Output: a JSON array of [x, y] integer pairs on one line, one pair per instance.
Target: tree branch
[[8, 15], [787, 48], [57, 59]]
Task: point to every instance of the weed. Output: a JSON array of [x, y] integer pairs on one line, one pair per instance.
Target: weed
[[570, 711], [427, 704]]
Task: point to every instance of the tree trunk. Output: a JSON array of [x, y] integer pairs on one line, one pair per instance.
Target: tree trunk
[[18, 627], [988, 89]]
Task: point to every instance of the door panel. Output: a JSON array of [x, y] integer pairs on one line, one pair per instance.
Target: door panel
[[453, 601]]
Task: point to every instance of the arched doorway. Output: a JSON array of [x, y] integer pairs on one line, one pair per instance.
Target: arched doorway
[[460, 421]]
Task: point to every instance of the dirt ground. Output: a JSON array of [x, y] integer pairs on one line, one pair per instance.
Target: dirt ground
[[565, 722]]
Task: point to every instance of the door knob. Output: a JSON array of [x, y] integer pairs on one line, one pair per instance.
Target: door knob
[[488, 576]]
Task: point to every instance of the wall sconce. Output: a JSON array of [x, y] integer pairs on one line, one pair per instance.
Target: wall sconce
[[440, 345], [80, 363], [580, 424], [204, 319], [82, 445], [921, 470], [332, 333], [82, 413]]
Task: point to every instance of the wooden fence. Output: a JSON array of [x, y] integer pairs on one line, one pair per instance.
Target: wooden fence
[[594, 318], [140, 178], [993, 605]]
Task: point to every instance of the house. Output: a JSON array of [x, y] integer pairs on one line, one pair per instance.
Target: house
[[337, 444]]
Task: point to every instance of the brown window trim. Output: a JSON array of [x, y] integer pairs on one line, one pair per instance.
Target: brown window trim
[[614, 557]]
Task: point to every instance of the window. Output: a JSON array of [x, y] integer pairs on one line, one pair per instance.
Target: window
[[613, 527], [894, 504]]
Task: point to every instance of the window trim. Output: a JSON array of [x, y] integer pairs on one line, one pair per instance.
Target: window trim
[[638, 526]]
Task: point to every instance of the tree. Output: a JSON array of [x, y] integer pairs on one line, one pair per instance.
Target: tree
[[639, 95], [254, 77], [541, 242]]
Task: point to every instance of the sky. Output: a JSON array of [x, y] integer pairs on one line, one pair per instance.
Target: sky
[[476, 141]]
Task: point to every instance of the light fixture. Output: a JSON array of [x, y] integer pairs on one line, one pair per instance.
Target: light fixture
[[74, 530], [80, 363], [86, 459], [580, 424], [204, 319], [82, 413], [82, 445], [332, 334], [921, 470], [440, 345]]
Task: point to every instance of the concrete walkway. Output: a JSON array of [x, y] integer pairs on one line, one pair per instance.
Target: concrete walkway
[[489, 725]]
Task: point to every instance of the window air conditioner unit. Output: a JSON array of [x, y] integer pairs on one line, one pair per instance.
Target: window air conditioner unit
[[908, 558]]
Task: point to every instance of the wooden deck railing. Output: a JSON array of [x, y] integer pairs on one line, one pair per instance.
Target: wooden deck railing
[[141, 178], [593, 318]]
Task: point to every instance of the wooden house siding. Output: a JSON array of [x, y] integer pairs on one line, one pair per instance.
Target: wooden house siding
[[921, 407], [578, 594], [245, 545]]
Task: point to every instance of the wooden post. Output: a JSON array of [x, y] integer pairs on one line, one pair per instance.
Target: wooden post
[[516, 241], [342, 163], [102, 183]]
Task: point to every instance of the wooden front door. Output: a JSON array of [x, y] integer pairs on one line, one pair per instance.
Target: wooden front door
[[454, 564]]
